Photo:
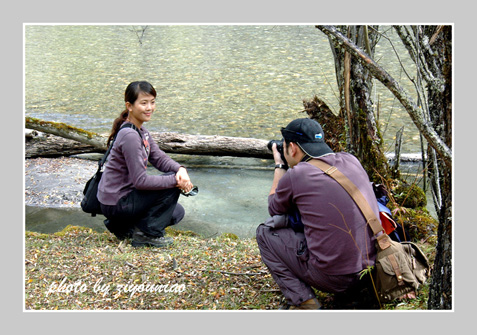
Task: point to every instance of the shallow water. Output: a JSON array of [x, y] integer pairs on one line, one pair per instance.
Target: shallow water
[[232, 198]]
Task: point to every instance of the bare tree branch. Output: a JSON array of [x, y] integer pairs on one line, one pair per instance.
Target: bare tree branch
[[379, 73]]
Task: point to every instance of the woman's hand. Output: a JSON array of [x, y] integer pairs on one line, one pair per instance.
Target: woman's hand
[[183, 180]]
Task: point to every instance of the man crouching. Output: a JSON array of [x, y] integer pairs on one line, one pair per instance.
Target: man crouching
[[316, 235]]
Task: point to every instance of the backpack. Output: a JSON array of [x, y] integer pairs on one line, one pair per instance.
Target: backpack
[[90, 203], [395, 231]]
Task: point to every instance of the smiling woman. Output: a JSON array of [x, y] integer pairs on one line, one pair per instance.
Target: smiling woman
[[137, 204], [141, 111], [140, 96]]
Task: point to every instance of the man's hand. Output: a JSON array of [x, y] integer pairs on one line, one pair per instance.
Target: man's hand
[[278, 172], [276, 155]]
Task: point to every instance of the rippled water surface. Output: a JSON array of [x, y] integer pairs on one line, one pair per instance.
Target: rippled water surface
[[235, 80]]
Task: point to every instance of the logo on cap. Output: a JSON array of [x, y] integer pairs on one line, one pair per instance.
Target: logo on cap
[[319, 136]]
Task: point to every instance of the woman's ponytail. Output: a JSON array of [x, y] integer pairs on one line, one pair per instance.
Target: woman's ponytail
[[117, 123]]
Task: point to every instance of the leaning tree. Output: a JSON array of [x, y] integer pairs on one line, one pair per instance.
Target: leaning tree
[[430, 47]]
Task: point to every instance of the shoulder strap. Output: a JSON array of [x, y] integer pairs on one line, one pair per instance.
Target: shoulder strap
[[130, 125], [357, 196], [127, 125]]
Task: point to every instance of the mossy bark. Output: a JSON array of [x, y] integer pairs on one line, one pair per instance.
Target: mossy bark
[[355, 84]]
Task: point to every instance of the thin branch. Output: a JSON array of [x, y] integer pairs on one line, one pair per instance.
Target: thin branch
[[142, 34], [236, 273]]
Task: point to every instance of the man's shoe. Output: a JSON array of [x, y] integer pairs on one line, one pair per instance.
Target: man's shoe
[[311, 304], [139, 239]]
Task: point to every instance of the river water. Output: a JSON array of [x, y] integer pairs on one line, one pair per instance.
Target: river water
[[232, 80]]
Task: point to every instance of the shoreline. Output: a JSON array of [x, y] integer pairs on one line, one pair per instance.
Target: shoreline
[[56, 182], [54, 190], [59, 182]]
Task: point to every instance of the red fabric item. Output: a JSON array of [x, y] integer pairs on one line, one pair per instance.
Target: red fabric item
[[388, 224]]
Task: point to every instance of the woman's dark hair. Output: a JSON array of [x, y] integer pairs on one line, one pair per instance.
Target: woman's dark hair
[[130, 95]]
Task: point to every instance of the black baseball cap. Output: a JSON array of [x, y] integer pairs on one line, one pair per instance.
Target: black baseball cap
[[308, 134]]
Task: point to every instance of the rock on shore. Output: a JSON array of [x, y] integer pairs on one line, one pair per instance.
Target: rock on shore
[[57, 182]]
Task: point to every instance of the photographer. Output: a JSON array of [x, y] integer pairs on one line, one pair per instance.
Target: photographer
[[316, 235]]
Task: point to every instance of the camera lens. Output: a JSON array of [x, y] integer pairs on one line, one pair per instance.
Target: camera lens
[[280, 150], [279, 145]]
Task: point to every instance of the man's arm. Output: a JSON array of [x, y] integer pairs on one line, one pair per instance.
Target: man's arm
[[278, 171], [276, 178]]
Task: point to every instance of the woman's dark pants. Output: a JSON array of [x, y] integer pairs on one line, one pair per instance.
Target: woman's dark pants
[[149, 211]]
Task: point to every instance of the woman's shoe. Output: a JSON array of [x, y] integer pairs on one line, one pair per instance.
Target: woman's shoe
[[139, 239]]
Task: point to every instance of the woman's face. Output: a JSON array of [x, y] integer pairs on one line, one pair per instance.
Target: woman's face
[[142, 109]]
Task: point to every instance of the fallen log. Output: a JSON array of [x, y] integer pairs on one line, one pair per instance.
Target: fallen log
[[212, 145], [64, 140], [67, 131], [38, 144]]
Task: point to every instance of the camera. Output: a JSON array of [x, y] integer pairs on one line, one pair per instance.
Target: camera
[[279, 144]]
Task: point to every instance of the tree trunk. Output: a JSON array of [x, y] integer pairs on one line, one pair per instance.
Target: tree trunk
[[66, 131], [212, 145], [430, 47], [355, 87], [56, 145], [46, 145], [438, 55]]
